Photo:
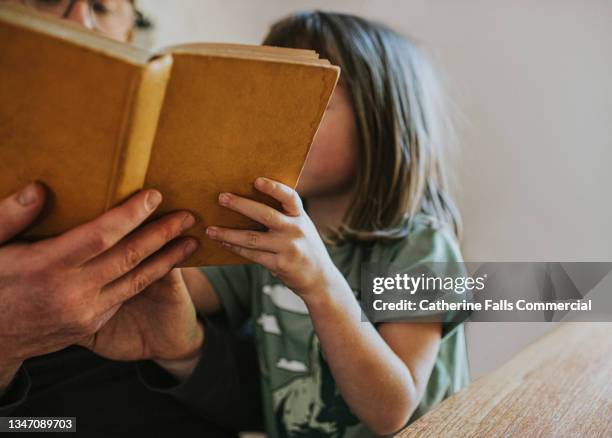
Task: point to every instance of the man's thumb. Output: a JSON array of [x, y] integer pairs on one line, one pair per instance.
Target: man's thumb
[[19, 210]]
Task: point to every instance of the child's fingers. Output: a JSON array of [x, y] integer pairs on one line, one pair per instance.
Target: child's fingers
[[266, 259], [248, 239], [284, 194], [257, 211]]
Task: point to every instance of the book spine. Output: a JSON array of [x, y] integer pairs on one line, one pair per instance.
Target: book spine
[[139, 131]]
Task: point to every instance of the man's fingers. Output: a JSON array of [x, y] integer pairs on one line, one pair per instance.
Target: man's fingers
[[87, 241], [19, 210], [146, 273], [90, 340], [289, 198], [175, 278], [136, 247]]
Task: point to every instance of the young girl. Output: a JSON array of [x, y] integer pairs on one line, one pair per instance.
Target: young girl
[[374, 189]]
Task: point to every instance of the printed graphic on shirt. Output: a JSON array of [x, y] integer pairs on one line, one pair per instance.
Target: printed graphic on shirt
[[285, 299], [310, 405], [269, 324], [305, 400]]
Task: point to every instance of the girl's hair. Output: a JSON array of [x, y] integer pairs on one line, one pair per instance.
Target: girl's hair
[[402, 124]]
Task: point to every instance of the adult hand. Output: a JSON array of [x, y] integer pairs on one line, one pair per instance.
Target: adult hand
[[160, 323], [58, 291]]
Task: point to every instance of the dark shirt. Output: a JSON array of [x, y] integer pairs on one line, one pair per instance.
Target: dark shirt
[[110, 398]]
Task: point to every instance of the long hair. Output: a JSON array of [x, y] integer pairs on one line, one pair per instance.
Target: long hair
[[401, 113]]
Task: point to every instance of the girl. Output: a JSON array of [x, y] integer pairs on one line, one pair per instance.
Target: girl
[[374, 188]]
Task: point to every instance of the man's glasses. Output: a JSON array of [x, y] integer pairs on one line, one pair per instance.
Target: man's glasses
[[106, 15]]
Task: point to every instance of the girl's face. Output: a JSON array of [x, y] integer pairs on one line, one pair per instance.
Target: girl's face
[[331, 166]]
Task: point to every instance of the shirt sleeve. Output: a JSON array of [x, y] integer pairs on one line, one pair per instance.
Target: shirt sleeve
[[16, 393], [224, 388], [431, 252], [234, 285]]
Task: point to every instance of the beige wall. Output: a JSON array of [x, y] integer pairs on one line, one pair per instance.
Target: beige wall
[[533, 81]]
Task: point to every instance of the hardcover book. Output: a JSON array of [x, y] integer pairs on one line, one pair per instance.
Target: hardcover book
[[96, 120]]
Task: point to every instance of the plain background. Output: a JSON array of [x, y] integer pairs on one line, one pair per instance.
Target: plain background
[[532, 81]]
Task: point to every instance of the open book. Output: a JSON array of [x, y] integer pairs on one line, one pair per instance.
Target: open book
[[97, 120]]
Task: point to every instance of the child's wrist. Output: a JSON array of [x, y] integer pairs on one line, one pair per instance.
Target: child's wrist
[[322, 292]]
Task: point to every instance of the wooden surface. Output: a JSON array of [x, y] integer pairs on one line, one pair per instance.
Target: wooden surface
[[560, 385]]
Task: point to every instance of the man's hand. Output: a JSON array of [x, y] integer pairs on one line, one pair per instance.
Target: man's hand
[[58, 291], [160, 323]]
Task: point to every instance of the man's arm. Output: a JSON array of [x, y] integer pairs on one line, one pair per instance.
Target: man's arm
[[221, 383], [224, 385], [16, 393], [6, 377]]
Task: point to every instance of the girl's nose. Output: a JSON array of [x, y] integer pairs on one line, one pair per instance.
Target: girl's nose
[[80, 14]]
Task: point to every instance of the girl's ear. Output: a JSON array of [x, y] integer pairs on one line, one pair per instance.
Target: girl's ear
[[130, 36]]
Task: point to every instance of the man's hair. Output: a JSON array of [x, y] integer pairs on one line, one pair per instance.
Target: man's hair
[[402, 121]]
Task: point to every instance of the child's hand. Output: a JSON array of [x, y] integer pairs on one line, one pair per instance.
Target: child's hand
[[291, 248]]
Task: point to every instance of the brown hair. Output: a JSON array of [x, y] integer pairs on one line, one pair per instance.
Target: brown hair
[[404, 130]]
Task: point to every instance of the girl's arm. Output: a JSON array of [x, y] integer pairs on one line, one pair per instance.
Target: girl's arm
[[381, 375], [202, 292]]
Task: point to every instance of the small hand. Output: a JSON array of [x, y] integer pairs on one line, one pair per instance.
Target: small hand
[[160, 323], [291, 248]]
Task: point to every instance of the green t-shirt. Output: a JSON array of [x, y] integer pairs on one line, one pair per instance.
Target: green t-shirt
[[299, 394]]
